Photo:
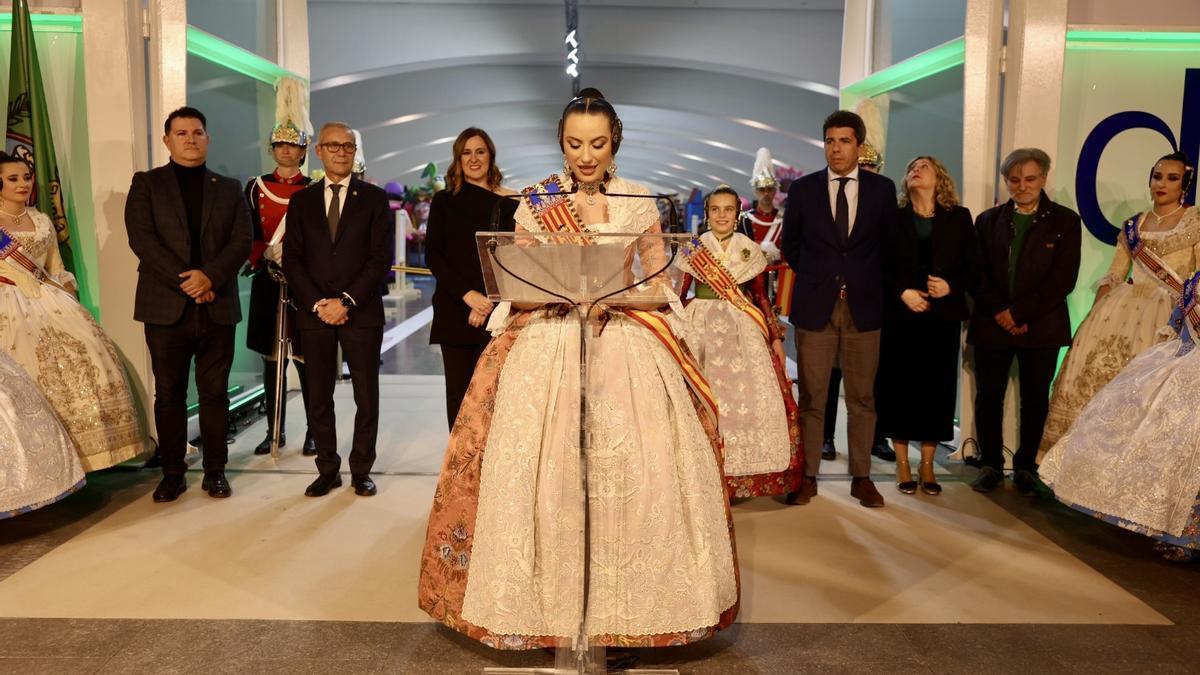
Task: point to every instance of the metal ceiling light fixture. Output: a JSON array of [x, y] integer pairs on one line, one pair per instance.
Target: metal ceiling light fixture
[[572, 43]]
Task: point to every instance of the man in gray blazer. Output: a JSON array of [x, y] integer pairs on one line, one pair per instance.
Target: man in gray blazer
[[190, 229]]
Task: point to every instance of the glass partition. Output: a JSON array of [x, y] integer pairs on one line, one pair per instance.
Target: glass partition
[[904, 28], [925, 118], [249, 24]]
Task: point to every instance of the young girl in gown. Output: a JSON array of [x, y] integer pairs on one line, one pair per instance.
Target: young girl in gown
[[1132, 456], [44, 328], [1155, 252], [739, 344], [502, 561], [38, 465]]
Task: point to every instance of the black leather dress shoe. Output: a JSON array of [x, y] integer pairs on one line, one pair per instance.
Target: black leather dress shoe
[[1026, 483], [322, 485], [264, 448], [987, 480], [310, 446], [882, 451], [828, 451], [216, 485], [169, 488], [363, 486]]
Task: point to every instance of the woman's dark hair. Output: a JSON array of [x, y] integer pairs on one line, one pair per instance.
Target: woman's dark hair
[[589, 101], [454, 174], [1189, 171], [186, 112], [721, 189], [6, 158]]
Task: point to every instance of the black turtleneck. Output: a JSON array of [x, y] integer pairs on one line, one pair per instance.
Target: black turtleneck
[[191, 186]]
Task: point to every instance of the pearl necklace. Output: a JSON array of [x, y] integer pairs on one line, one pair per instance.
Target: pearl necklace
[[15, 216], [1158, 219]]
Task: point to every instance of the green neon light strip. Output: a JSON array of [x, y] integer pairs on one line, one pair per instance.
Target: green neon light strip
[[929, 62], [212, 48], [47, 23], [1142, 41]]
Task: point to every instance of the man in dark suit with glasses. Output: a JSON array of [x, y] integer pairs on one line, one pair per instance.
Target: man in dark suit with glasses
[[336, 256]]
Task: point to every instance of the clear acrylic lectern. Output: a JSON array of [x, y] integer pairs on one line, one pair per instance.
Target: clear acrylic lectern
[[588, 275]]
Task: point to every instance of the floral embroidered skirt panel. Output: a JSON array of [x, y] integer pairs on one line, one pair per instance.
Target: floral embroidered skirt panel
[[503, 557]]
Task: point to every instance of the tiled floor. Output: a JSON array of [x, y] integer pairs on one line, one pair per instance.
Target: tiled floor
[[269, 582]]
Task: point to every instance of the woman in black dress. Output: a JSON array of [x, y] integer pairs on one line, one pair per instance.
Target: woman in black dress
[[929, 263], [460, 307]]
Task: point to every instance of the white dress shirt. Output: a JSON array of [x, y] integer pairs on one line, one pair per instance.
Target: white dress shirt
[[345, 192], [851, 194]]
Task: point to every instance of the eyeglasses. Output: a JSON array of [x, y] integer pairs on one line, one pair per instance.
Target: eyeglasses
[[347, 148]]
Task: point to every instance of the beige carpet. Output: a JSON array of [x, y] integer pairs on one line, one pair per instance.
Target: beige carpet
[[271, 553]]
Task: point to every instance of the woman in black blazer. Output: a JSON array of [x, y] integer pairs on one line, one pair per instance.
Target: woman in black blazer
[[929, 263], [460, 306]]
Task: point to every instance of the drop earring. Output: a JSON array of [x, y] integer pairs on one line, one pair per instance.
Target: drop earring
[[566, 168], [612, 169]]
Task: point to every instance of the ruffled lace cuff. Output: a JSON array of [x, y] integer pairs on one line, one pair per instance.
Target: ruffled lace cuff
[[1110, 280]]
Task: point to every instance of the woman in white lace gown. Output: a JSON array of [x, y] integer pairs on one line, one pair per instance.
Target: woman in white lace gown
[[38, 465], [1132, 457], [502, 560], [1155, 252], [58, 343], [739, 344]]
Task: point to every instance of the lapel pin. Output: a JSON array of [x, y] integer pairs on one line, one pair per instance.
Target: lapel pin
[[355, 193]]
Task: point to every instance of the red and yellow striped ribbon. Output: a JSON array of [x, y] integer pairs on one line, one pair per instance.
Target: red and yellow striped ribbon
[[710, 270], [562, 215]]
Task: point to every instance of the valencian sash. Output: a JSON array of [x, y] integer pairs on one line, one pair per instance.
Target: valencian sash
[[1186, 317], [1148, 259], [708, 269], [10, 249], [555, 211]]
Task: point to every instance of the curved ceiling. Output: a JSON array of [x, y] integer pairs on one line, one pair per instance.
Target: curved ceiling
[[699, 84]]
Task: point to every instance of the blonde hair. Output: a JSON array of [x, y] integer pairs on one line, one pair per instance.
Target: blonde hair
[[943, 190]]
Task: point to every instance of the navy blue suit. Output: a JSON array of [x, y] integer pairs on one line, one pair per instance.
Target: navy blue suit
[[832, 325], [823, 263]]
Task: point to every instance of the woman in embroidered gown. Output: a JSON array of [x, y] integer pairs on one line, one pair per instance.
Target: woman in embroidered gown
[[1132, 456], [55, 339], [740, 347], [1132, 301], [502, 559], [38, 465]]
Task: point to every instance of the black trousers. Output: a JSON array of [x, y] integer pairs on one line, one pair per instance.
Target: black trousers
[[269, 370], [458, 361], [1035, 372], [360, 347], [172, 349]]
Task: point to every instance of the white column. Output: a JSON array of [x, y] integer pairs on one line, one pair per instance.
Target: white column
[[857, 37], [1033, 74], [983, 38], [168, 66], [293, 36], [113, 47], [983, 34]]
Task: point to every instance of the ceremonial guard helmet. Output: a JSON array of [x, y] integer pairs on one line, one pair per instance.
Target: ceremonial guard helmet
[[763, 175], [291, 114], [869, 156]]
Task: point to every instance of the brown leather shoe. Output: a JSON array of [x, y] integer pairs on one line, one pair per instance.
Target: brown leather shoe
[[864, 491], [804, 495]]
